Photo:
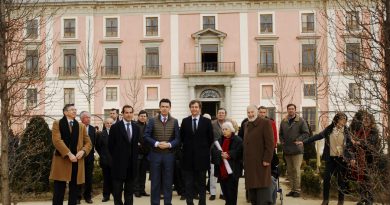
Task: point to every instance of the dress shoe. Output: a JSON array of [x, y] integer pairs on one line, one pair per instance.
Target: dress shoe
[[144, 194], [78, 201], [296, 194], [291, 193], [89, 201], [212, 198], [196, 197], [105, 199], [182, 198], [137, 194], [221, 197], [325, 202]]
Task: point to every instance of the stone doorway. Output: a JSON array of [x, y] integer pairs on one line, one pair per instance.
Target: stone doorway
[[210, 107]]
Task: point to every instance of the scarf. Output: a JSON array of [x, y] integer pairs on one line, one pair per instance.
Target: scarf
[[70, 138], [225, 148]]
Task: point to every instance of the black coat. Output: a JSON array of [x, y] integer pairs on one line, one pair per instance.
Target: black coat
[[196, 146], [102, 148], [124, 153], [326, 134], [92, 135], [235, 153]]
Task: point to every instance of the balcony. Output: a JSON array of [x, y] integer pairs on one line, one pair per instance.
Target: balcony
[[68, 72], [267, 69], [308, 68], [209, 69], [111, 71], [353, 67], [151, 71]]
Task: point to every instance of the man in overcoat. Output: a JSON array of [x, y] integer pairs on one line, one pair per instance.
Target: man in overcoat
[[72, 144], [258, 152]]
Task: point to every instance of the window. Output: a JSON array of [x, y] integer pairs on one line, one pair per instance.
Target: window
[[70, 62], [152, 93], [208, 22], [151, 26], [266, 26], [354, 92], [267, 92], [111, 94], [309, 114], [32, 62], [112, 67], [271, 112], [152, 57], [352, 20], [307, 20], [308, 58], [267, 58], [32, 97], [106, 113], [352, 55], [111, 27], [68, 96], [309, 90], [32, 29], [69, 28]]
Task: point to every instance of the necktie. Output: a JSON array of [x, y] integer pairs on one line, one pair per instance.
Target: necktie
[[194, 125], [71, 123], [128, 131], [164, 120]]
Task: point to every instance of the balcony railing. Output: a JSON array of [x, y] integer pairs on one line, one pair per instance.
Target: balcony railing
[[68, 72], [111, 71], [308, 68], [151, 71], [209, 68], [353, 67], [267, 68]]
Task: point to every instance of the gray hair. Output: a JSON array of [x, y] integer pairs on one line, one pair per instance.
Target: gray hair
[[229, 126], [207, 116], [83, 113], [251, 107]]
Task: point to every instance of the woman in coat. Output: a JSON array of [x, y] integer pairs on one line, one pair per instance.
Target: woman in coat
[[231, 151], [336, 154], [366, 149]]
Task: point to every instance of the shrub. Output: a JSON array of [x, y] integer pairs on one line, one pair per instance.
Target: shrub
[[310, 182]]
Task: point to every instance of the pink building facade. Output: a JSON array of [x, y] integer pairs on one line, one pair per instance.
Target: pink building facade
[[225, 53]]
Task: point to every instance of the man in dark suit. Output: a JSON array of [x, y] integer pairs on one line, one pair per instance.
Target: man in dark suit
[[105, 158], [85, 118], [162, 134], [196, 133], [122, 144]]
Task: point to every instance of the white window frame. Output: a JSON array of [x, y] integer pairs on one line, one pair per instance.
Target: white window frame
[[108, 46], [151, 104], [303, 90], [359, 23], [63, 28], [117, 93], [158, 24], [39, 29], [259, 23], [63, 93], [26, 102], [300, 22], [104, 26], [215, 17]]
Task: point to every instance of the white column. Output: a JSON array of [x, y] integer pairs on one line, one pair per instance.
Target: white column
[[228, 96], [244, 43], [191, 92], [174, 44]]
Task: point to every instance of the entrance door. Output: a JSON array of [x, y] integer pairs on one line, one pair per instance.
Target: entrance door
[[210, 108]]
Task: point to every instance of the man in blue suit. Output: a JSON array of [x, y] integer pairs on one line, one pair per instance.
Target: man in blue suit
[[162, 134], [123, 146], [196, 133]]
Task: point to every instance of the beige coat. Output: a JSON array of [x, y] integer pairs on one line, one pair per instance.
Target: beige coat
[[258, 147], [61, 166]]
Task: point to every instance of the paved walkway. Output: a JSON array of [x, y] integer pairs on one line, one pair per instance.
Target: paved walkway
[[176, 199]]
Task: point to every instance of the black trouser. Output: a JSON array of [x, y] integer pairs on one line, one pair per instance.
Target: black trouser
[[59, 189], [335, 166], [107, 181], [118, 188], [87, 187], [193, 180], [229, 188], [261, 196], [178, 178], [140, 180]]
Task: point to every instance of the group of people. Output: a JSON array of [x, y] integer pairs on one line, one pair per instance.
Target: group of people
[[184, 155]]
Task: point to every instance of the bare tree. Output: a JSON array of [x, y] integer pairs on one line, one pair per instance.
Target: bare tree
[[359, 34], [134, 90], [90, 62], [23, 68]]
